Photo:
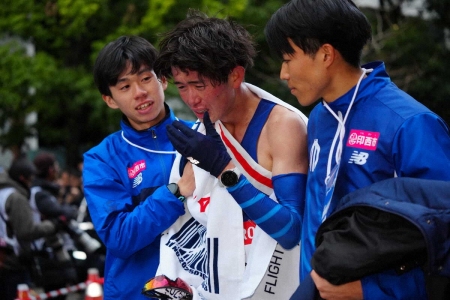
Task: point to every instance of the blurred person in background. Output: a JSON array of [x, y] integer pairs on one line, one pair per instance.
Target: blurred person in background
[[59, 271], [17, 227], [63, 181], [73, 191], [46, 189]]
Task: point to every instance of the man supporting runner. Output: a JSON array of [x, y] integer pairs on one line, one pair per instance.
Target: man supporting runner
[[364, 130], [126, 176]]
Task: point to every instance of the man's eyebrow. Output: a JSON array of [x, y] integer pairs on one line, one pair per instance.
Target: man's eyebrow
[[143, 70], [122, 79], [190, 82]]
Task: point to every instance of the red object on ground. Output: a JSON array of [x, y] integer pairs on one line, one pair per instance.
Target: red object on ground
[[93, 287]]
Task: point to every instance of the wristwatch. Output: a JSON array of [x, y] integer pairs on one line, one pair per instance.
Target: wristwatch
[[229, 178], [175, 190]]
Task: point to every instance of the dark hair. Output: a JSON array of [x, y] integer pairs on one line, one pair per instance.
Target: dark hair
[[114, 57], [211, 46], [312, 23], [21, 166], [43, 161]]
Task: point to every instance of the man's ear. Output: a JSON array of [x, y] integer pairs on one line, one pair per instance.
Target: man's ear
[[110, 101], [328, 54], [237, 76], [164, 82]]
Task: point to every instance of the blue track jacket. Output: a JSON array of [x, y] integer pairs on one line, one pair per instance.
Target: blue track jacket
[[387, 134], [125, 179]]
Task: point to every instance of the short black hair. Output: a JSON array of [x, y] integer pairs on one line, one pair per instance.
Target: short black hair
[[312, 23], [43, 161], [211, 46], [114, 57], [21, 166]]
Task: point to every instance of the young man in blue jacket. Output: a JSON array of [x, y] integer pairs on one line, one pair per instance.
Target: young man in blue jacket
[[125, 177], [363, 130]]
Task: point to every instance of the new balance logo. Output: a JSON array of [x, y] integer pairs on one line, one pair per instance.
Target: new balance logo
[[359, 158], [137, 180]]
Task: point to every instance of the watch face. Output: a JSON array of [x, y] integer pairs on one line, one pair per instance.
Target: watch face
[[229, 178], [173, 188]]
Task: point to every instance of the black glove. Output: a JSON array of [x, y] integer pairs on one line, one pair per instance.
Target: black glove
[[208, 150]]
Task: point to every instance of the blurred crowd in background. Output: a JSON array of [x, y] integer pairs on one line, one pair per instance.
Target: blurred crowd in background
[[46, 238]]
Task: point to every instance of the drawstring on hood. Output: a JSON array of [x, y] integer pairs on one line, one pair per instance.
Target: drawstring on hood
[[340, 133]]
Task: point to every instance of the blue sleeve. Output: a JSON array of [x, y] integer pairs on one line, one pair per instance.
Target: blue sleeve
[[421, 148], [123, 227], [282, 220], [389, 285]]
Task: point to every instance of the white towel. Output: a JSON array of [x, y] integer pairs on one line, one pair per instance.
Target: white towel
[[271, 271], [205, 246]]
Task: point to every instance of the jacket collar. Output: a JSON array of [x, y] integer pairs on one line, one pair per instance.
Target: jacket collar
[[374, 81], [153, 138]]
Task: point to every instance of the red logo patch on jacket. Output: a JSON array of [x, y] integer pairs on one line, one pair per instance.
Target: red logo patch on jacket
[[362, 139], [136, 168]]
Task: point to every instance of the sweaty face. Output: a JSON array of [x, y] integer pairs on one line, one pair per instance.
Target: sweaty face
[[304, 74], [139, 96], [201, 96]]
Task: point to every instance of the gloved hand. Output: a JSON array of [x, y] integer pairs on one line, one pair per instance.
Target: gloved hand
[[208, 150]]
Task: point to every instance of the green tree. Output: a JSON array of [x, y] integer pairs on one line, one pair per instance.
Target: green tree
[[56, 82], [67, 35], [415, 50], [62, 90]]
